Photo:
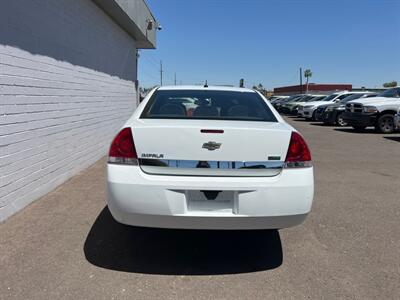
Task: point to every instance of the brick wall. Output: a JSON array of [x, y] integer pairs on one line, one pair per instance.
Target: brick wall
[[67, 74]]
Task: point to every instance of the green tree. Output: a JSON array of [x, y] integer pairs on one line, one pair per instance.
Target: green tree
[[259, 88], [307, 75], [390, 84]]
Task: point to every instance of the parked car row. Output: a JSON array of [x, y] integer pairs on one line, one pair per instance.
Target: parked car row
[[358, 109]]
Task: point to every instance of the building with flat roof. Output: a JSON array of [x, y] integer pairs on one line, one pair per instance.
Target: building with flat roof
[[68, 82], [312, 88]]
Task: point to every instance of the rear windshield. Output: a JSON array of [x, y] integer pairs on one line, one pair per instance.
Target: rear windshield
[[308, 99], [318, 98], [351, 97], [209, 104], [395, 92]]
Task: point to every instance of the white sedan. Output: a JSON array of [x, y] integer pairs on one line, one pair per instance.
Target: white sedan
[[198, 157]]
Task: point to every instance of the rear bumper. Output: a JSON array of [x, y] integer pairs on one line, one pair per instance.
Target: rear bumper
[[293, 109], [359, 119], [208, 223], [308, 112], [139, 199]]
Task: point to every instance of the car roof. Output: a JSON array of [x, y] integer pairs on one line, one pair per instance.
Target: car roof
[[352, 92], [201, 87]]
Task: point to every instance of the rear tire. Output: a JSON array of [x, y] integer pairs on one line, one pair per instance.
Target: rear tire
[[385, 124], [313, 115], [339, 121]]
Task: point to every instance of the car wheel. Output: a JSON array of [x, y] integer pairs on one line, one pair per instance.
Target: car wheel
[[339, 121], [385, 124], [313, 115], [359, 128]]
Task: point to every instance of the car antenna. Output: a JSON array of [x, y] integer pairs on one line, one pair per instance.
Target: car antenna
[[206, 85]]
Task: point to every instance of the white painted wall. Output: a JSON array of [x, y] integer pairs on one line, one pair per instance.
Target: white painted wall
[[67, 74]]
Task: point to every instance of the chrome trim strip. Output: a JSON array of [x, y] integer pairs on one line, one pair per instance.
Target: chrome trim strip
[[211, 172], [196, 164]]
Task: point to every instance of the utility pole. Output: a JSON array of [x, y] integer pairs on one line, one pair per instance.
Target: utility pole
[[301, 81], [161, 72], [175, 78]]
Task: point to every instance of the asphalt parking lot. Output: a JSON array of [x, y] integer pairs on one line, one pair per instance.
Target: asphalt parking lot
[[67, 246]]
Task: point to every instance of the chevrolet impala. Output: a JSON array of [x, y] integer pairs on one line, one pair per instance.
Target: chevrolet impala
[[203, 157]]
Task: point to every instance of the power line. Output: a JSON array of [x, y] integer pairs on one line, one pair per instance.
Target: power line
[[151, 62], [155, 60], [148, 74], [160, 68]]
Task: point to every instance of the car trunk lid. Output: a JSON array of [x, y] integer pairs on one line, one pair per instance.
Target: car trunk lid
[[211, 148]]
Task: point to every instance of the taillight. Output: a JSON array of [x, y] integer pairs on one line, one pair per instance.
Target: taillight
[[298, 155], [122, 149]]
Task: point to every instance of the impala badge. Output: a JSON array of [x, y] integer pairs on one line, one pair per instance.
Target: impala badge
[[211, 146]]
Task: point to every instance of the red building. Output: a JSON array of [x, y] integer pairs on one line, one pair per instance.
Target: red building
[[312, 88]]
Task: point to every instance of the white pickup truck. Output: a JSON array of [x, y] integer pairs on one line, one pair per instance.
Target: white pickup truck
[[377, 111]]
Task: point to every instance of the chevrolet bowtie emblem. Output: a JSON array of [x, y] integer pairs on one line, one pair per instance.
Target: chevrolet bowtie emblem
[[211, 146]]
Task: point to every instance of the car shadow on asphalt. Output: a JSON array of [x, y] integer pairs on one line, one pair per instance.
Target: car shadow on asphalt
[[300, 120], [351, 130], [393, 138], [114, 246], [321, 124]]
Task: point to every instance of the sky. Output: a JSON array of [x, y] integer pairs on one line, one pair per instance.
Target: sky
[[267, 41]]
